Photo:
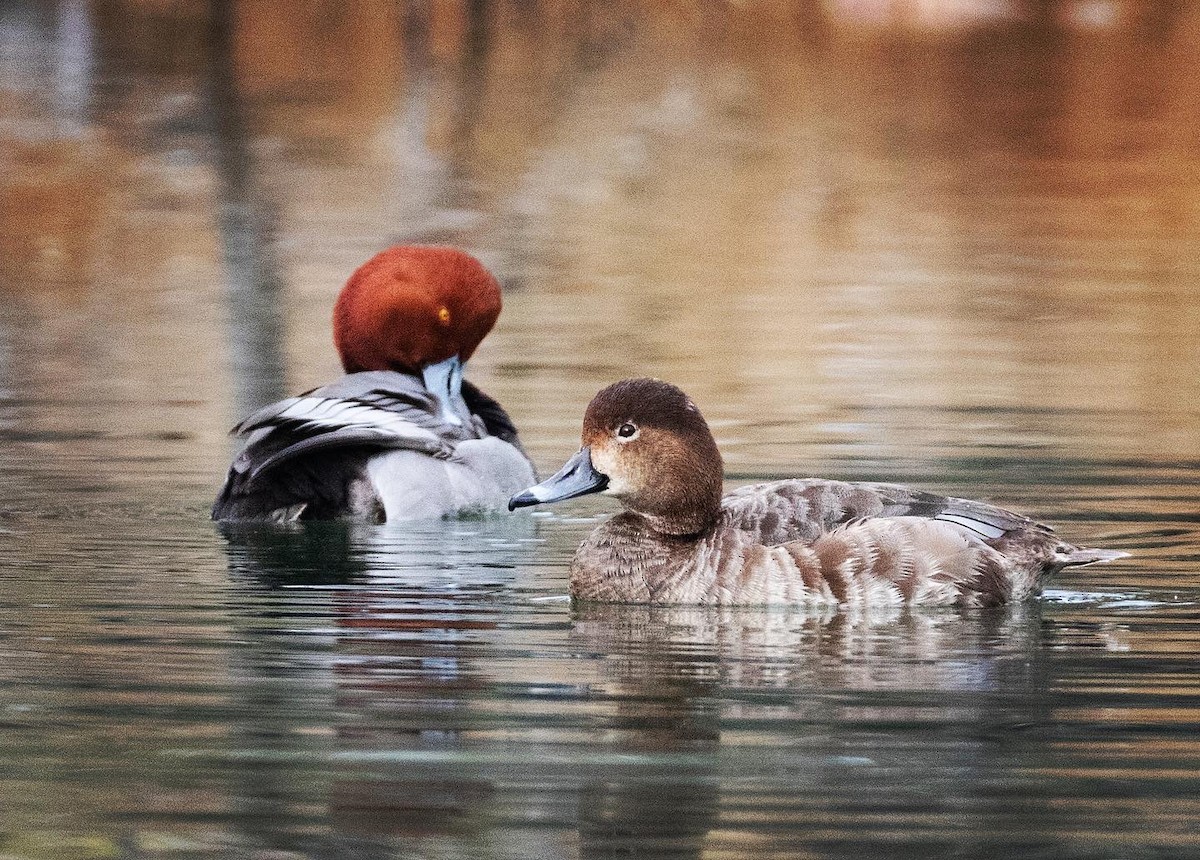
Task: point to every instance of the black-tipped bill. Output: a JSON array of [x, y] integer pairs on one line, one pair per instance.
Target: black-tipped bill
[[577, 477]]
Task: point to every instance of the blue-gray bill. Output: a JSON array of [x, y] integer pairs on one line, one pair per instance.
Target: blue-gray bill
[[444, 381], [577, 477]]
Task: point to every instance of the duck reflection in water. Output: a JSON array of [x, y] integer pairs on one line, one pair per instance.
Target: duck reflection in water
[[733, 721], [655, 731], [475, 553], [392, 676]]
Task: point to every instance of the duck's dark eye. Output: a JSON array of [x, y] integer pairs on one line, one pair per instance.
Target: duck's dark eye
[[626, 430]]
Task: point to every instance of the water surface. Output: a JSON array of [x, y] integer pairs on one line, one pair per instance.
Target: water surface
[[950, 248]]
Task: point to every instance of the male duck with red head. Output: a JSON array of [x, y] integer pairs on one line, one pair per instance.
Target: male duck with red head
[[402, 435], [802, 541]]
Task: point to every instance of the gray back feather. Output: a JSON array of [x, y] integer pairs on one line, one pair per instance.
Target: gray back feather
[[375, 409]]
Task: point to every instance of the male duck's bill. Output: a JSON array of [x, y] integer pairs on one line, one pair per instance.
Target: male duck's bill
[[577, 477], [444, 381]]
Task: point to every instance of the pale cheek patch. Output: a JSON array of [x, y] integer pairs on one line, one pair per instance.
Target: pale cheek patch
[[604, 462], [622, 480]]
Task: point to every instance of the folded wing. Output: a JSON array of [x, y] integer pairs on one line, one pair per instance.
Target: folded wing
[[325, 437], [805, 509]]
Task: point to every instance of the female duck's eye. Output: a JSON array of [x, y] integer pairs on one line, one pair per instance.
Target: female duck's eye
[[626, 430]]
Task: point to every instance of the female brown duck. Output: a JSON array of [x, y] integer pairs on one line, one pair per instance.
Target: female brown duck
[[799, 541]]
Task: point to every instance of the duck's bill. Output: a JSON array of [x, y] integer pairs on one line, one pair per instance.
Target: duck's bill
[[444, 381], [577, 477]]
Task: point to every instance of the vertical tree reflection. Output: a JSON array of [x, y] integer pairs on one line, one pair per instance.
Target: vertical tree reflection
[[248, 228]]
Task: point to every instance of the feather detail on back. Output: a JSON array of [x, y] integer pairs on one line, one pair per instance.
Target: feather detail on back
[[324, 422], [325, 437], [804, 508], [376, 410]]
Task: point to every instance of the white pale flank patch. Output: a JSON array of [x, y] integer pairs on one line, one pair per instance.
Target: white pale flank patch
[[481, 476]]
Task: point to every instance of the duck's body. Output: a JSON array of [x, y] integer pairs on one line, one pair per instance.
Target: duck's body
[[401, 435], [813, 541], [373, 445], [804, 541]]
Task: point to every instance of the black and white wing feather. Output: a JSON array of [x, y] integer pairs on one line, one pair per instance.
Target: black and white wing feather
[[325, 437], [319, 423]]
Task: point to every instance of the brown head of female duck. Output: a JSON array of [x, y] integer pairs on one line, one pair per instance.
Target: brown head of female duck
[[801, 541]]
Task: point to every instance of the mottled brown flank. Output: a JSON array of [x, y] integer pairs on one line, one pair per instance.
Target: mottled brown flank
[[850, 543], [831, 555], [887, 561], [803, 557]]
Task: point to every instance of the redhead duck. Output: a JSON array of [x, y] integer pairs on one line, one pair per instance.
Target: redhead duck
[[803, 541], [401, 435]]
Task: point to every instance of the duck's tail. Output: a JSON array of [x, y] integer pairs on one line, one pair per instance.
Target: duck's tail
[[1074, 556]]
